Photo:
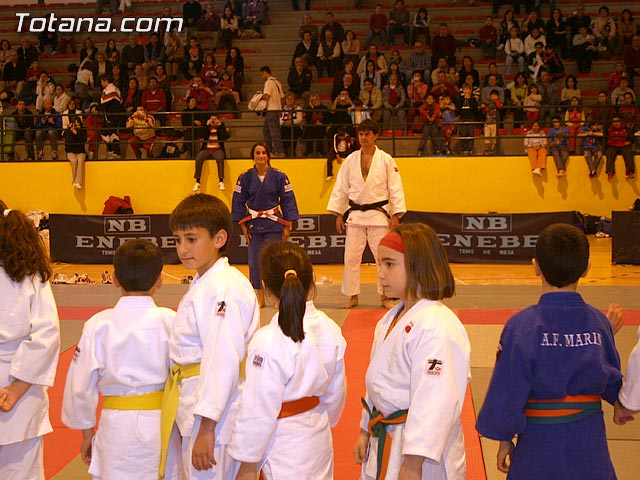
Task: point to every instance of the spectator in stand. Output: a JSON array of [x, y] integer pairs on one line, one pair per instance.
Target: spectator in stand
[[291, 124], [45, 90], [629, 113], [234, 57], [602, 111], [338, 116], [468, 68], [133, 98], [584, 50], [194, 59], [430, 116], [138, 74], [492, 111], [101, 65], [557, 33], [441, 66], [229, 27], [506, 24], [75, 139], [191, 13], [349, 67], [372, 74], [530, 41], [315, 129], [378, 59], [237, 78], [67, 39], [329, 55], [203, 94], [627, 28], [533, 21], [175, 55], [416, 96], [558, 142], [371, 97], [84, 81], [492, 85], [514, 52], [335, 27], [255, 16], [307, 49], [396, 68], [142, 125], [73, 110], [441, 86], [132, 54], [154, 101], [447, 117], [467, 108], [444, 45], [617, 96], [226, 97], [193, 120], [488, 36], [212, 148], [344, 144], [237, 7], [420, 26], [350, 47], [552, 63], [399, 23], [532, 104], [111, 52], [5, 53], [48, 125], [25, 123], [631, 57], [518, 92], [535, 146], [377, 26], [493, 70], [475, 91], [549, 93], [308, 26], [397, 59], [591, 145], [299, 79], [419, 60], [578, 19], [604, 29], [210, 20], [60, 98], [153, 54], [273, 94], [14, 74], [111, 106], [394, 99], [94, 125], [27, 52], [48, 38], [619, 143], [209, 71], [570, 90], [88, 50], [614, 78], [347, 85]]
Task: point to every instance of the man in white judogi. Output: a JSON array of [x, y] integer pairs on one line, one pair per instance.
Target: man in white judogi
[[369, 185]]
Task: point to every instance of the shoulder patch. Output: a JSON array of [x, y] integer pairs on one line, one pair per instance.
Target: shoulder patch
[[76, 352], [434, 367], [288, 187], [258, 360], [237, 188], [221, 309]]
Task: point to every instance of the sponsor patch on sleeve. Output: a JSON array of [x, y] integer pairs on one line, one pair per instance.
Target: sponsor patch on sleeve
[[221, 309], [288, 187], [258, 360], [434, 367], [237, 188]]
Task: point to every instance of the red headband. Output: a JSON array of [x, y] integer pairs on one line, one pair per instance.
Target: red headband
[[393, 240]]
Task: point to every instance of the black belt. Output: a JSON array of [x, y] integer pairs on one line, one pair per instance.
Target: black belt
[[365, 207]]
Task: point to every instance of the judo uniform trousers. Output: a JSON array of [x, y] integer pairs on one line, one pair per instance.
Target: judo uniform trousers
[[630, 392], [383, 183], [281, 370], [123, 351], [559, 347], [273, 193], [213, 326], [29, 347], [424, 366]]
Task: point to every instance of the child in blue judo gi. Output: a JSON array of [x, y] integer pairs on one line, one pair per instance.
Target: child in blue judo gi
[[555, 363]]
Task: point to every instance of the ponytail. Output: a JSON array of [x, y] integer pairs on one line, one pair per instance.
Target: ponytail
[[292, 307], [22, 251]]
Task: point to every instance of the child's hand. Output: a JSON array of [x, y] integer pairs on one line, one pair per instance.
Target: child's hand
[[411, 468], [614, 314], [504, 452], [360, 452], [622, 415], [85, 446], [10, 395], [202, 457]]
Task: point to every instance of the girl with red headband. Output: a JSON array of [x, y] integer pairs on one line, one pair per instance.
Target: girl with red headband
[[419, 368]]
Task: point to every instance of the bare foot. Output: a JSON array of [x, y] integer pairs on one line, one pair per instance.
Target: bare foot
[[260, 295], [353, 302], [387, 302]]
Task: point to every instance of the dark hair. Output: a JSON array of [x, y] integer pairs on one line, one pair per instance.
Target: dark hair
[[292, 290], [106, 76], [265, 68], [426, 263], [562, 254], [494, 92], [266, 147], [368, 125], [571, 77], [137, 264], [22, 251], [626, 10], [202, 210]]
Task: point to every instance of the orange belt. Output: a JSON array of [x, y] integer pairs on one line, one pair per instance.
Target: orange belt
[[562, 410], [295, 407]]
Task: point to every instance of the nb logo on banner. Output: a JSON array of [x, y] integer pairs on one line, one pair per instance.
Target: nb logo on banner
[[486, 223], [130, 224]]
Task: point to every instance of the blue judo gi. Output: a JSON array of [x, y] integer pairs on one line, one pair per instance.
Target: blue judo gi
[[551, 350], [266, 207]]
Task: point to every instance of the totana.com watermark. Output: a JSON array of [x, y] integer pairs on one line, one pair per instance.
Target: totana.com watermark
[[53, 24]]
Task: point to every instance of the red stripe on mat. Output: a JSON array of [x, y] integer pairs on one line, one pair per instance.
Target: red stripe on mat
[[358, 331], [78, 313]]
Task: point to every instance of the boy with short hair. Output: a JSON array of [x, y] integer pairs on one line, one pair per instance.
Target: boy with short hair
[[492, 111], [123, 354], [591, 145], [213, 326], [559, 145], [488, 38], [556, 360], [447, 117]]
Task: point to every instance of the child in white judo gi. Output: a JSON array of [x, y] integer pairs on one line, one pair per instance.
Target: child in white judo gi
[[29, 346], [123, 354], [419, 367], [295, 387], [628, 403], [215, 322]]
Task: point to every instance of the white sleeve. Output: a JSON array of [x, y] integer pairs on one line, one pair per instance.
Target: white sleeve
[[340, 193], [394, 185], [336, 394], [630, 393], [36, 359]]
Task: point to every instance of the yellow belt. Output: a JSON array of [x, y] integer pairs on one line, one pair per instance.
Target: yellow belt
[[170, 407], [146, 401]]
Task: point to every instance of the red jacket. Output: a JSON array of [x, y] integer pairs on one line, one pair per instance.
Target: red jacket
[[617, 137]]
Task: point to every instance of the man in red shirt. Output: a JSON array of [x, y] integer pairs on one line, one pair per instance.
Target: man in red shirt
[[202, 94], [488, 38], [444, 45], [377, 26], [618, 143], [154, 100]]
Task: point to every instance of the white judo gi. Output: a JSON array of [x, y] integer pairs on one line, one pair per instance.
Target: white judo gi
[[629, 394], [29, 348], [123, 351], [281, 370], [215, 322], [383, 183], [423, 366]]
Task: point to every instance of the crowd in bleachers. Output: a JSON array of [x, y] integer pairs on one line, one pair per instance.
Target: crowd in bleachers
[[395, 70]]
